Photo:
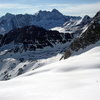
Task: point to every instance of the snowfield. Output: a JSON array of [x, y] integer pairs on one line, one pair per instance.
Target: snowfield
[[10, 62], [76, 78]]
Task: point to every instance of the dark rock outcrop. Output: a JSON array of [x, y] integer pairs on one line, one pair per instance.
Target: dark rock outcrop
[[33, 37], [90, 36]]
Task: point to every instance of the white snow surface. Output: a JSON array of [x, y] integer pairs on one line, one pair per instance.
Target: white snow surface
[[76, 78], [68, 27], [10, 62], [59, 29]]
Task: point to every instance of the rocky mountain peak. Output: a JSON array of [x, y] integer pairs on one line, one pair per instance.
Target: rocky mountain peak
[[9, 15], [55, 11], [86, 19], [89, 37], [40, 12], [98, 14]]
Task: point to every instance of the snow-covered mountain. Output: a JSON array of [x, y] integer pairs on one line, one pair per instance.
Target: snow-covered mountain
[[23, 48], [74, 27], [45, 19], [76, 78], [30, 50], [34, 37], [89, 36], [14, 63]]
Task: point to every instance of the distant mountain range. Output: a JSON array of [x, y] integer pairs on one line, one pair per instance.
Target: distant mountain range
[[45, 19]]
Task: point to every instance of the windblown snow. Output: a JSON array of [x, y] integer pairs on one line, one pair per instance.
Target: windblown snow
[[76, 78]]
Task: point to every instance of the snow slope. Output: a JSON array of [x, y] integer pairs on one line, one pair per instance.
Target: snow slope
[[76, 78], [13, 64]]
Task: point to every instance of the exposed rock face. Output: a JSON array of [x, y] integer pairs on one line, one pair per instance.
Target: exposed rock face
[[90, 36], [22, 49], [1, 36], [85, 20], [33, 37]]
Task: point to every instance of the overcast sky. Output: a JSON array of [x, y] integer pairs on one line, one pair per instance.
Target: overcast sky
[[67, 7]]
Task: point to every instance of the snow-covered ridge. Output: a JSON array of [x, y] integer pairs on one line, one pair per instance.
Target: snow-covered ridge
[[74, 26], [14, 63], [81, 60], [90, 35]]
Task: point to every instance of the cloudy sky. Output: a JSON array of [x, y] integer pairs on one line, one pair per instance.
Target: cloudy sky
[[67, 7]]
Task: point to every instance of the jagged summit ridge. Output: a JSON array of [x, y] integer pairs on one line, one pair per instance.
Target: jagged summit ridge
[[55, 11], [98, 14], [74, 26], [90, 36], [45, 19]]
